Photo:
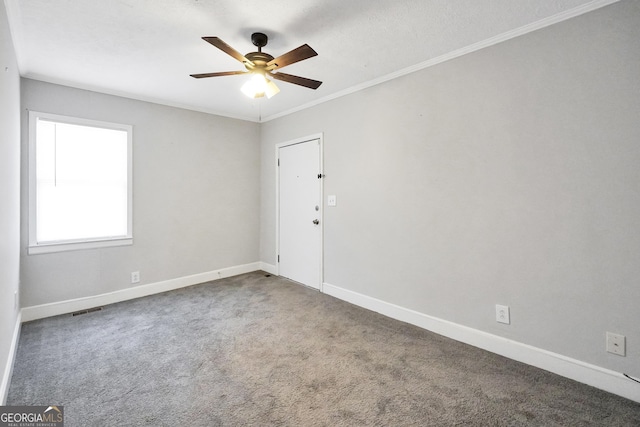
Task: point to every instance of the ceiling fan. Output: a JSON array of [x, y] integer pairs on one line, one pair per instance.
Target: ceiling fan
[[261, 65]]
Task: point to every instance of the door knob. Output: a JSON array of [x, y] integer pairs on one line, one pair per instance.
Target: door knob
[[316, 222]]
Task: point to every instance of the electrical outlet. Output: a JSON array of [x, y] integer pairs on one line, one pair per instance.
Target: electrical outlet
[[135, 277], [616, 344], [502, 314]]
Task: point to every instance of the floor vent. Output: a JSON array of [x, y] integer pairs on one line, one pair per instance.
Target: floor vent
[[89, 310]]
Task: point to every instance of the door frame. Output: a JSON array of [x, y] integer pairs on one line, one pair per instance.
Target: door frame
[[313, 137]]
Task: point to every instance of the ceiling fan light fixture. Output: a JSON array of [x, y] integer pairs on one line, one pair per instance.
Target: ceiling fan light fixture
[[258, 86], [271, 89]]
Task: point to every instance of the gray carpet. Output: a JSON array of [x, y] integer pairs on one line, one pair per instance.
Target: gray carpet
[[257, 350]]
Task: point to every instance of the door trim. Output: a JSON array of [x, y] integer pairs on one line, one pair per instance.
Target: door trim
[[320, 138]]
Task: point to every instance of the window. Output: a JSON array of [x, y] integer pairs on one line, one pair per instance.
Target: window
[[79, 183]]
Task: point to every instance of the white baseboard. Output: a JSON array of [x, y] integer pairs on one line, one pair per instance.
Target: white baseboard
[[595, 376], [8, 369], [269, 268], [70, 306]]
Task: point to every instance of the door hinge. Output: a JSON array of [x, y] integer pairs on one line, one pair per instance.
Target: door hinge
[[278, 258], [320, 176], [278, 162]]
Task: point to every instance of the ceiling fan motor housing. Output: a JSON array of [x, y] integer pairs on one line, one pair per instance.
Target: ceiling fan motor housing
[[259, 59]]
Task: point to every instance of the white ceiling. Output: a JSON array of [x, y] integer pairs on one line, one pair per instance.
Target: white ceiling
[[146, 49]]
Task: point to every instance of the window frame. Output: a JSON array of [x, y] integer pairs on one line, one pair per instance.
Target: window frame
[[34, 247]]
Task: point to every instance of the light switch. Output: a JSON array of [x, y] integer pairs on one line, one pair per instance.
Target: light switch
[[331, 200]]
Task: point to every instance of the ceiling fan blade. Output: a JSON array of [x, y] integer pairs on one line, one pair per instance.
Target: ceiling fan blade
[[217, 42], [223, 73], [301, 81], [298, 54]]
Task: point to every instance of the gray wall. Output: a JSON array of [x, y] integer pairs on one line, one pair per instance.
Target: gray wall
[[9, 190], [195, 190], [510, 175]]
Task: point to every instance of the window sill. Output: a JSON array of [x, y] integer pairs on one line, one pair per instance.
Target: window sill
[[76, 246]]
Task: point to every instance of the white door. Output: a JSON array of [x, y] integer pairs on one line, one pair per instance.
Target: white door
[[300, 204]]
